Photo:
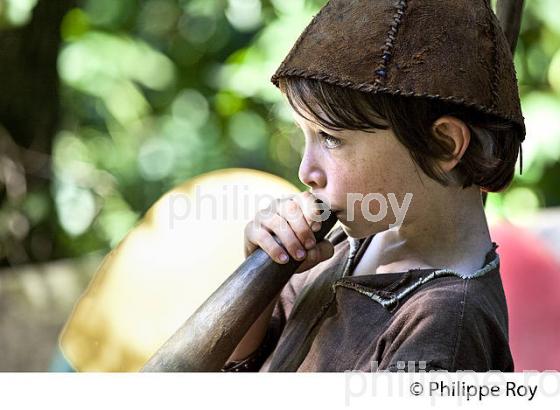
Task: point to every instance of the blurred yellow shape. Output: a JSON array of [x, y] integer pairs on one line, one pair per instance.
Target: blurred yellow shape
[[188, 243]]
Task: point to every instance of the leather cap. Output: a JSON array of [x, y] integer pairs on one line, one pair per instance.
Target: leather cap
[[450, 50]]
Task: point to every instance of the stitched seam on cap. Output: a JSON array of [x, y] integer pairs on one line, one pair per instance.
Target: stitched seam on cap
[[304, 73], [381, 70]]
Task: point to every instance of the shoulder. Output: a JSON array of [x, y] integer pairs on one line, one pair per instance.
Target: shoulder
[[453, 323], [452, 300]]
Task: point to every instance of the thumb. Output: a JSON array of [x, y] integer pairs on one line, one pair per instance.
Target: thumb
[[323, 251]]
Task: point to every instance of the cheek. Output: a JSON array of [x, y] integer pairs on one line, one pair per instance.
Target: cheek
[[380, 169], [388, 169], [338, 187], [354, 176], [367, 176], [372, 207]]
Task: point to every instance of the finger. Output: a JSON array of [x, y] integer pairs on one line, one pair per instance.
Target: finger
[[266, 213], [258, 236], [323, 251], [311, 209], [281, 228], [249, 236], [292, 212]]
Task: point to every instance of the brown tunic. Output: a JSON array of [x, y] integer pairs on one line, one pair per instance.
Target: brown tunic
[[328, 321]]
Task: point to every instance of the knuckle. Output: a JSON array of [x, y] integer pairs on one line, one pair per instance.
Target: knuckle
[[265, 215], [291, 207], [299, 201], [290, 211], [270, 209], [250, 227], [280, 223], [309, 207], [261, 236], [273, 207]]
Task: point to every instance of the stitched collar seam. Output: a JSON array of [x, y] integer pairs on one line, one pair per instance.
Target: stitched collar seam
[[391, 302]]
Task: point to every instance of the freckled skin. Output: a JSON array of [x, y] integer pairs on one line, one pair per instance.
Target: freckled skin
[[445, 226], [363, 163]]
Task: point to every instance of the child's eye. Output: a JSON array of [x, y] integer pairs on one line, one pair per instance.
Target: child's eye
[[329, 141]]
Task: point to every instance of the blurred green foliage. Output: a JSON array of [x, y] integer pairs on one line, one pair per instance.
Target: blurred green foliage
[[16, 12], [537, 62], [157, 91]]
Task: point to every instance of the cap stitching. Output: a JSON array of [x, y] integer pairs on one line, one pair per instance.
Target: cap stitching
[[304, 73], [495, 72], [381, 70]]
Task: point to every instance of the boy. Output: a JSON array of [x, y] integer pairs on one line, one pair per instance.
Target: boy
[[413, 101]]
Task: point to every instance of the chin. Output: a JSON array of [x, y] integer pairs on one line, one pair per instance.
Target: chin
[[356, 232], [360, 229]]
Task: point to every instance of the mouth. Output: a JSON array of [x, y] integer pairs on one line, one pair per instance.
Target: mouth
[[337, 212]]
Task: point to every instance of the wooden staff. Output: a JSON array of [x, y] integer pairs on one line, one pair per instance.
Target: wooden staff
[[509, 13], [209, 337]]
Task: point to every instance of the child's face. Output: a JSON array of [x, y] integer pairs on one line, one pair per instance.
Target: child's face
[[362, 163]]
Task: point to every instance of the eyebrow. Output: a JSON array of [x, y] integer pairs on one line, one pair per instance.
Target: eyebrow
[[318, 126]]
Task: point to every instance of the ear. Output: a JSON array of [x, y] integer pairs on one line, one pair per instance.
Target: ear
[[455, 133]]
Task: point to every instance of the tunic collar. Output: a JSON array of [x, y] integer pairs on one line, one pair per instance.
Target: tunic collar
[[389, 288]]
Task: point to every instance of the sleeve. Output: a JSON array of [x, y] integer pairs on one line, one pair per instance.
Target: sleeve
[[280, 315], [255, 360]]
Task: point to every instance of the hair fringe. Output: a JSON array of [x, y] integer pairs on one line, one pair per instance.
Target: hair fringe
[[488, 162]]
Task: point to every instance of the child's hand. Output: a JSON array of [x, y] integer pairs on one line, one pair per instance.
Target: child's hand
[[290, 219]]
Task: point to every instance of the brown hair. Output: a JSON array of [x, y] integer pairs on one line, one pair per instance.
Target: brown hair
[[488, 162]]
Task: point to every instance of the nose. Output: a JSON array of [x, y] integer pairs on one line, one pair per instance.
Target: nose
[[310, 171]]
